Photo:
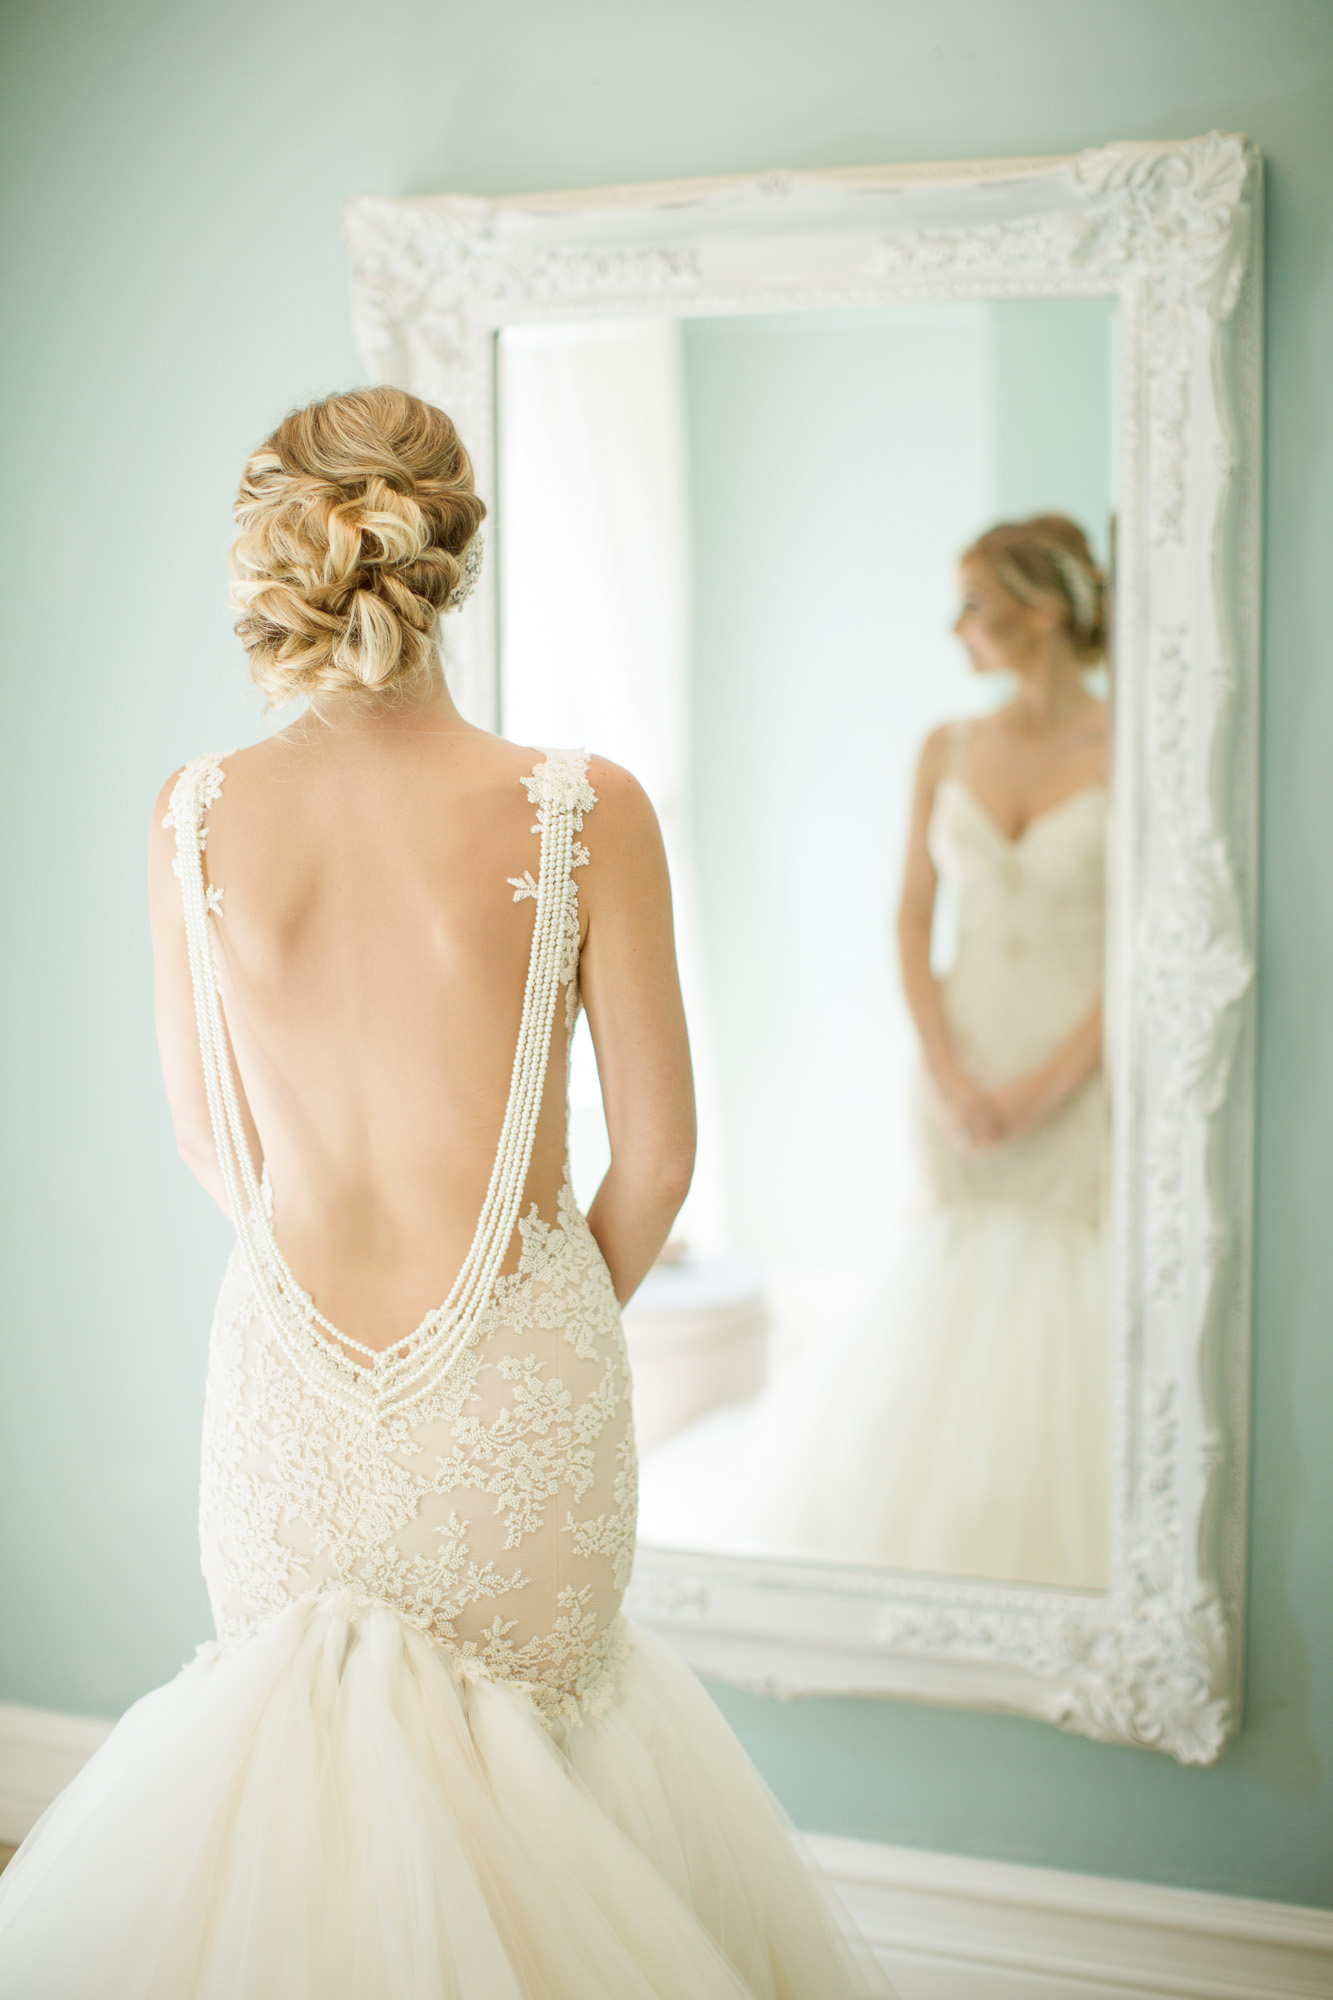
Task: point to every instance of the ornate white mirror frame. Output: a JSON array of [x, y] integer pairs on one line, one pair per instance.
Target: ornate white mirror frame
[[1173, 232]]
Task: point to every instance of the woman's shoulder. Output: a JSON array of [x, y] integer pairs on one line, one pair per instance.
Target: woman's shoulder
[[623, 828], [205, 770], [616, 791], [617, 788], [942, 746], [490, 766]]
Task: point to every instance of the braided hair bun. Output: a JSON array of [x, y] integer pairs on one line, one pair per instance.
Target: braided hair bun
[[355, 518]]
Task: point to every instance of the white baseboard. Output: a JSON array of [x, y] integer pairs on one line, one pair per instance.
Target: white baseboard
[[40, 1751], [946, 1926]]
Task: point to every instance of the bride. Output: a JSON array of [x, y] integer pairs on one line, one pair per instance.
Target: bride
[[426, 1755], [961, 1424]]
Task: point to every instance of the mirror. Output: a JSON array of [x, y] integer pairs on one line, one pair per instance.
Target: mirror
[[880, 1336], [734, 435]]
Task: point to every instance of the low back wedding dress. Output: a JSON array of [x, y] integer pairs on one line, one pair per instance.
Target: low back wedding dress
[[426, 1757], [960, 1423]]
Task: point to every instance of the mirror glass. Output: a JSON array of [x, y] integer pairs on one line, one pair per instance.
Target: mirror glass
[[733, 556]]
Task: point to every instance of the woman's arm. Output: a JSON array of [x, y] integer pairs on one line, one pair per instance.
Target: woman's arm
[[177, 1033], [971, 1117], [1026, 1100], [631, 991]]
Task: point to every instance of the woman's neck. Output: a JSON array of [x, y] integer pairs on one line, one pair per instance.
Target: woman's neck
[[430, 710], [1050, 691]]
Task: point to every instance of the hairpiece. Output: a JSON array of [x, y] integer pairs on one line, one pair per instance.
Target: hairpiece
[[1080, 579], [472, 557]]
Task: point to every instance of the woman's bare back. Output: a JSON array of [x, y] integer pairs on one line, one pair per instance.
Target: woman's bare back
[[372, 958], [373, 944], [367, 910]]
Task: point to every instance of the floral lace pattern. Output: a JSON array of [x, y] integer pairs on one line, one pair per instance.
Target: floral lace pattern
[[1031, 917], [563, 776], [497, 1513], [500, 1520]]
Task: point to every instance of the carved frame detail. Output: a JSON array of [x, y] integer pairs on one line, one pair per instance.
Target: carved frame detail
[[1173, 231]]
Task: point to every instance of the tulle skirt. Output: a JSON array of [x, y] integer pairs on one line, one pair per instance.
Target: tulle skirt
[[959, 1424], [329, 1812]]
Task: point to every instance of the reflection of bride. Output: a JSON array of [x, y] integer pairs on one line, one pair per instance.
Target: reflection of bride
[[961, 1423]]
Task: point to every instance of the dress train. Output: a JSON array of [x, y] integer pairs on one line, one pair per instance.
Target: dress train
[[331, 1811]]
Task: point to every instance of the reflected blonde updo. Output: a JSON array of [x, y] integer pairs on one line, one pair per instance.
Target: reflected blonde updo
[[354, 516], [1047, 560]]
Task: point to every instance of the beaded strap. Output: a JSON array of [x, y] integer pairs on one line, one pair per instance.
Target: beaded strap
[[402, 1375]]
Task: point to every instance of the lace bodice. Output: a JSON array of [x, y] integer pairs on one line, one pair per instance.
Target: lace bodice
[[1028, 966], [479, 1477]]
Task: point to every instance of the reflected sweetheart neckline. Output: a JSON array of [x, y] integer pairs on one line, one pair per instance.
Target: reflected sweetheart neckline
[[1047, 812]]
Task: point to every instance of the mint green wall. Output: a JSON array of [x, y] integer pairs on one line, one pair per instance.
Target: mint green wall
[[838, 462], [884, 439], [170, 180], [1052, 439]]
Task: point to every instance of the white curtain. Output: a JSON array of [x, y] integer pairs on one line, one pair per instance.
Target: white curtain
[[595, 621]]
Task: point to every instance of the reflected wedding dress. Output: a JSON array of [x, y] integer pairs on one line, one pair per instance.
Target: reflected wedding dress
[[960, 1423], [426, 1755]]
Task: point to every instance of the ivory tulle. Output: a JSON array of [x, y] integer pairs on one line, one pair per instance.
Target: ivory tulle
[[329, 1812], [958, 1424]]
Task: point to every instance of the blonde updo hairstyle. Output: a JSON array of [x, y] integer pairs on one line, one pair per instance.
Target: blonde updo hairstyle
[[1047, 561], [354, 518]]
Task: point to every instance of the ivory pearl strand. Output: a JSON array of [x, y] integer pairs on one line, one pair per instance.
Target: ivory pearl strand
[[401, 1376]]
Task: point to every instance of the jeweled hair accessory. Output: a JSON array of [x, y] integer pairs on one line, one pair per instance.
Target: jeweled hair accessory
[[472, 558], [1080, 580]]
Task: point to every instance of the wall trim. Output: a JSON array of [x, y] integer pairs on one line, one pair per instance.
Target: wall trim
[[952, 1927], [945, 1926], [40, 1751]]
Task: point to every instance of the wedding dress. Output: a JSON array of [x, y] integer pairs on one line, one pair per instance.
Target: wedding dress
[[426, 1755], [960, 1422]]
